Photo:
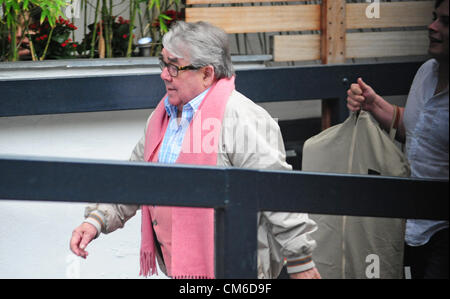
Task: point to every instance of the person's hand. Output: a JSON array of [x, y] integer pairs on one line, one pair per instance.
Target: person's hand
[[81, 237], [360, 96], [308, 274]]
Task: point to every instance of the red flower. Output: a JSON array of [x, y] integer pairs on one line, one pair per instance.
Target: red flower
[[63, 45], [74, 45], [171, 13], [125, 36]]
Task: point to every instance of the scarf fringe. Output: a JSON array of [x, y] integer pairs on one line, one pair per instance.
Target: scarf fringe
[[148, 264]]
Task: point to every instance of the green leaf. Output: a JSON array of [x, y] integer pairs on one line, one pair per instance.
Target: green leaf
[[16, 6], [153, 2], [43, 16], [165, 17], [9, 20], [25, 4], [162, 25]]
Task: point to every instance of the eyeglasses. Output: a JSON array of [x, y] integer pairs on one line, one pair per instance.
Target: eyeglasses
[[174, 69]]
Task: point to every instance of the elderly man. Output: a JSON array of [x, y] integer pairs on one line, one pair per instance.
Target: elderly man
[[199, 79], [423, 124]]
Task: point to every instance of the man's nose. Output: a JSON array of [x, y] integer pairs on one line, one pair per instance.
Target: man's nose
[[165, 74]]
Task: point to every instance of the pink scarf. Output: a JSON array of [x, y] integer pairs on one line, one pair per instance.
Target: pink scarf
[[192, 228]]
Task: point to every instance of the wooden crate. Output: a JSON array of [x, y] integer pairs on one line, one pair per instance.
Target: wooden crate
[[333, 18], [397, 16]]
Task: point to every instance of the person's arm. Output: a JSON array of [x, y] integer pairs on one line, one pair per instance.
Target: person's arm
[[362, 96], [81, 237], [104, 218], [292, 232]]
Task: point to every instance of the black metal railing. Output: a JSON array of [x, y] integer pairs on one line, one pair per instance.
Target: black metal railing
[[235, 194]]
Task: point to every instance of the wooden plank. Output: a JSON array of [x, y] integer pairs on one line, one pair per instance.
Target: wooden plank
[[391, 14], [358, 45], [333, 28], [333, 31], [251, 19], [296, 47], [196, 2], [387, 44]]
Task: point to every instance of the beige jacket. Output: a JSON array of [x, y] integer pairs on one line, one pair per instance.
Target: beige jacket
[[250, 138]]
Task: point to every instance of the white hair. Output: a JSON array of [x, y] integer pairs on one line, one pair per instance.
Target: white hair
[[202, 44]]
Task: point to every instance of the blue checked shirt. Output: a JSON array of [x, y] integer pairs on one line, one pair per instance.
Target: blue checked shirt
[[173, 139]]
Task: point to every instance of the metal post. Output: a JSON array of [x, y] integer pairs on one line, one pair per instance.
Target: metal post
[[236, 250]]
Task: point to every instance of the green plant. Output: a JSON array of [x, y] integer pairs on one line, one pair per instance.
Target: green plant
[[112, 39], [15, 20], [120, 29], [160, 15], [53, 42]]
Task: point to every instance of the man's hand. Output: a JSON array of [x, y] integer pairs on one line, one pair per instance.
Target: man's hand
[[360, 96], [81, 237], [308, 274]]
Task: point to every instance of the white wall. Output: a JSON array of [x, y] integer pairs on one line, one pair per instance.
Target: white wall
[[34, 236]]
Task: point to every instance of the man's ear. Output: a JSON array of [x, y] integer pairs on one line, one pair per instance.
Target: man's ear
[[208, 75]]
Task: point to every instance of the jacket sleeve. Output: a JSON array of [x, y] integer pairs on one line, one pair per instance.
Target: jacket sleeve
[[109, 217], [292, 233], [254, 140]]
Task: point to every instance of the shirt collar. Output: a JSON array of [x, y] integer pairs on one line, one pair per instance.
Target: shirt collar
[[192, 104]]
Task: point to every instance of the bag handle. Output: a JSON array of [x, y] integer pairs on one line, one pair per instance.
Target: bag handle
[[355, 116]]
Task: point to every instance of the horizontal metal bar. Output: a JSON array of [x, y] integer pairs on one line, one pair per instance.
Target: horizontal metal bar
[[353, 195], [323, 81], [78, 180], [121, 92], [295, 191]]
